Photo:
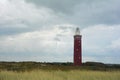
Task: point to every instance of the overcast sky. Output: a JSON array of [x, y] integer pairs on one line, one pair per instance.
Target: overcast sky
[[43, 30]]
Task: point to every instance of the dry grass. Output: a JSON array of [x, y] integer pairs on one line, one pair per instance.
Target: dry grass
[[60, 75]]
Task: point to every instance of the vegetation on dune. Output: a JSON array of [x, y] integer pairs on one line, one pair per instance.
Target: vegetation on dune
[[60, 75], [29, 66], [58, 71]]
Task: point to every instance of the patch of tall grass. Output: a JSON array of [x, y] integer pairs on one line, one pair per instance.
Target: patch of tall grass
[[60, 75]]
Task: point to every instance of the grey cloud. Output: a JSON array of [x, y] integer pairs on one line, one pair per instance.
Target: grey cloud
[[19, 17], [84, 12], [66, 6], [98, 12], [15, 28], [11, 31]]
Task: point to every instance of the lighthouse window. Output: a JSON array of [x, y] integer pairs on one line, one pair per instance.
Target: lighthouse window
[[76, 49]]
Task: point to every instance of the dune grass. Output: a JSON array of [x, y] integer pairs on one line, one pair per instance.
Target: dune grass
[[60, 75]]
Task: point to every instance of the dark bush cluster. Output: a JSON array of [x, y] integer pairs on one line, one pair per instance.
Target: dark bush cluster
[[28, 66]]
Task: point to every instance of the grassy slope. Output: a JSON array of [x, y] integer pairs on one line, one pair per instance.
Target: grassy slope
[[60, 75], [57, 71]]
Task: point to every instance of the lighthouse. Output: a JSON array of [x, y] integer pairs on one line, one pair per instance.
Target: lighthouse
[[77, 48]]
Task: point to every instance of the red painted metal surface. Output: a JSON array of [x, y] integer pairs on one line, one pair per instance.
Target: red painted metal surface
[[77, 50]]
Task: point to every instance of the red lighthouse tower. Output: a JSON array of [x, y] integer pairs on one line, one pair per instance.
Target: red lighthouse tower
[[77, 48]]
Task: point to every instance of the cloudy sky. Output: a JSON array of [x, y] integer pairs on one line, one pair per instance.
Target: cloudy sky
[[42, 30]]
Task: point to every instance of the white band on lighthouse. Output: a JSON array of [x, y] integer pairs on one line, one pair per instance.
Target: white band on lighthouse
[[77, 31]]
